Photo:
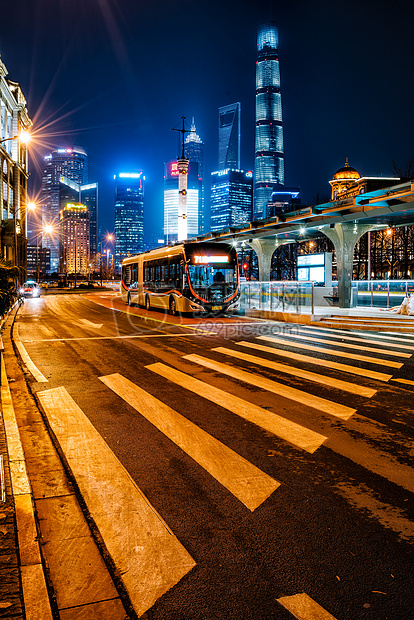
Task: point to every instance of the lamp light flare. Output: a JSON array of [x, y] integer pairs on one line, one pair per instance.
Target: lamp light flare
[[31, 206], [25, 136], [48, 229]]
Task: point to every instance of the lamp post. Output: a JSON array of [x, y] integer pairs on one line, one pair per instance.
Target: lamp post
[[107, 238]]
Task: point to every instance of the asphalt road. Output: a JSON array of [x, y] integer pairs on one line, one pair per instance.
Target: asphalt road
[[318, 413]]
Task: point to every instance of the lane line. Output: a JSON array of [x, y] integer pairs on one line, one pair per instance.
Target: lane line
[[356, 339], [371, 374], [111, 337], [346, 345], [281, 427], [346, 386], [316, 402], [303, 607], [245, 481], [31, 367], [145, 552], [361, 358]]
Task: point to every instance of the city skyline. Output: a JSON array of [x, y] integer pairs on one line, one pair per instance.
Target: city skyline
[[331, 106]]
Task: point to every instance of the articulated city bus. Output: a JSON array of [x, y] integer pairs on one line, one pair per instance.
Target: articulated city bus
[[186, 277]]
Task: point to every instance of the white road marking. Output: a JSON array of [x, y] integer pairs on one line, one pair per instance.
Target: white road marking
[[346, 386], [342, 336], [316, 402], [177, 335], [334, 353], [245, 481], [31, 367], [371, 374], [303, 607], [146, 554], [281, 427], [394, 336], [90, 324], [346, 345]]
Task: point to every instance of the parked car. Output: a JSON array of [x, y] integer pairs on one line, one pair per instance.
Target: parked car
[[30, 289]]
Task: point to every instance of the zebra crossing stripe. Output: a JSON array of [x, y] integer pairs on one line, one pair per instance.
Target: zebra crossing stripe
[[347, 345], [291, 432], [334, 353], [339, 334], [321, 404], [303, 607], [245, 481], [145, 552], [363, 372], [346, 386]]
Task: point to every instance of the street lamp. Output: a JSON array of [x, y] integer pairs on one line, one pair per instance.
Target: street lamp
[[32, 207], [107, 238]]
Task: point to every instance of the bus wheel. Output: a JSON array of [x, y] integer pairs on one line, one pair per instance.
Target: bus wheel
[[147, 302], [173, 306]]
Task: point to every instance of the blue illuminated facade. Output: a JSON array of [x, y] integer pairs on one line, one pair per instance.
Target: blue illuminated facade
[[129, 215], [231, 198], [269, 156]]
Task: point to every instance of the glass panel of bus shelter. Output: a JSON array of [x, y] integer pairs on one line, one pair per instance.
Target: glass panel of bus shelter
[[244, 294], [397, 292], [361, 292], [305, 296], [276, 296], [265, 295], [291, 293], [380, 293], [255, 295]]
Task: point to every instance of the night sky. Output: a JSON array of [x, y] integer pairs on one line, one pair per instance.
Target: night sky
[[114, 76]]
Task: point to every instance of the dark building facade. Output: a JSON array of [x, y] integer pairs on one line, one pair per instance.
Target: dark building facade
[[269, 154], [231, 198], [129, 215]]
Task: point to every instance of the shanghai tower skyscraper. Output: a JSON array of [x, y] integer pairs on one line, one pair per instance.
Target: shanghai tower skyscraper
[[269, 158]]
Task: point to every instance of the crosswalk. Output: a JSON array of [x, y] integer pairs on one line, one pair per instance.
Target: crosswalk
[[298, 417]]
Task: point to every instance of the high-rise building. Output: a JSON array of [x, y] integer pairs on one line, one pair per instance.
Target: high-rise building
[[71, 163], [14, 123], [74, 231], [229, 136], [194, 151], [269, 158], [129, 215], [171, 201], [70, 191], [231, 198]]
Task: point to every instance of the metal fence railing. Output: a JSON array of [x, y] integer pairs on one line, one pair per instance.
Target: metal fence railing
[[277, 296], [380, 293]]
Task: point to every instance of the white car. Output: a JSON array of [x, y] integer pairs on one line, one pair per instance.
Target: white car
[[30, 289]]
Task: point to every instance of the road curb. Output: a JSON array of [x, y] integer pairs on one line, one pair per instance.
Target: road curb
[[33, 582]]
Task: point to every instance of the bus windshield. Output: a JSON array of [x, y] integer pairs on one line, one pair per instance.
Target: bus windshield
[[206, 275]]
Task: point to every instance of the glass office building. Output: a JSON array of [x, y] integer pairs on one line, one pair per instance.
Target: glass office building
[[70, 191], [269, 157], [194, 151], [129, 215], [229, 136], [231, 198], [71, 163]]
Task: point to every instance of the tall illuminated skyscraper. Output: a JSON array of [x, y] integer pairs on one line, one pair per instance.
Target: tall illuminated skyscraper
[[129, 215], [171, 201], [71, 163], [229, 136], [194, 151], [269, 158]]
